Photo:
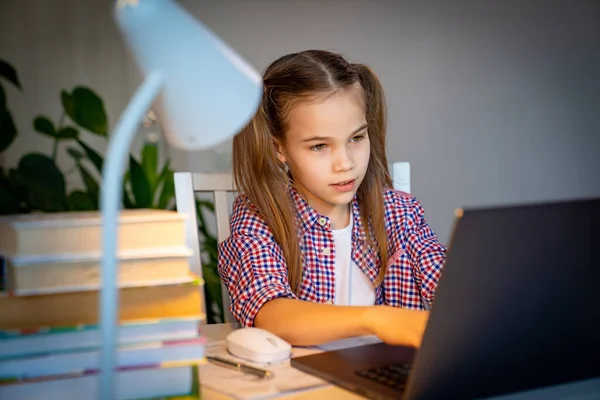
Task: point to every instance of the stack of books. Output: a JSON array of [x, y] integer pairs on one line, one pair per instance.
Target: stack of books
[[50, 280]]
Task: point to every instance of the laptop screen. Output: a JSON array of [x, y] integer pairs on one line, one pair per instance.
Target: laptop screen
[[517, 305]]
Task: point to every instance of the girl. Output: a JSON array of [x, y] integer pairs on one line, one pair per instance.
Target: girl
[[321, 248]]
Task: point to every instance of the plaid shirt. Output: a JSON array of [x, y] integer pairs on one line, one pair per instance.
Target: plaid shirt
[[252, 265]]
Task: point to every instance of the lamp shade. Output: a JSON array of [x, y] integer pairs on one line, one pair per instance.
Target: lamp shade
[[208, 92]]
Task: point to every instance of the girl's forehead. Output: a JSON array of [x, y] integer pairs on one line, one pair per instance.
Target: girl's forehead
[[338, 114]]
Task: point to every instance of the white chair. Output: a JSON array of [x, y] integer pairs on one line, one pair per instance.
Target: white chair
[[186, 187], [400, 172], [188, 184]]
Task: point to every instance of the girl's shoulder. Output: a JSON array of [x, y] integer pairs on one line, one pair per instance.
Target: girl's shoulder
[[401, 206], [246, 220], [396, 198]]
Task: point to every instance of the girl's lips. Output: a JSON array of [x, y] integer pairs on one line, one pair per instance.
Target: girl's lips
[[344, 186]]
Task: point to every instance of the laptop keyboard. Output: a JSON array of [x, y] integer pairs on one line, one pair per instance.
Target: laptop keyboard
[[394, 375]]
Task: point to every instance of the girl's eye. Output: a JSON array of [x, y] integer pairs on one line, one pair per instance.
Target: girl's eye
[[318, 147], [358, 138]]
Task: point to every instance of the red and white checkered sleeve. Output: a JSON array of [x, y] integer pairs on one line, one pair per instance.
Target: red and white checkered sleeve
[[251, 265], [427, 253]]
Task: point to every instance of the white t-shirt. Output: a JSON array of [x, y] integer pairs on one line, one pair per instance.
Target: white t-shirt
[[352, 286]]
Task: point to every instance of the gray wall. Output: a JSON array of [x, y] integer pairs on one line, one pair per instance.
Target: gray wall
[[492, 102]]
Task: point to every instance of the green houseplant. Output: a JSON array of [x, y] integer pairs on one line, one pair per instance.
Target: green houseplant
[[38, 184]]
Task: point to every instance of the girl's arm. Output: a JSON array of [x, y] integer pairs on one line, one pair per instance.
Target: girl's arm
[[426, 252], [260, 296], [303, 323], [253, 269]]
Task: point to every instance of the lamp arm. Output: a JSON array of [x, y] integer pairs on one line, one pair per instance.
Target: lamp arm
[[110, 201]]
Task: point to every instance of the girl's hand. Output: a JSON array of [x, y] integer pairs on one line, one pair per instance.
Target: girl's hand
[[397, 326]]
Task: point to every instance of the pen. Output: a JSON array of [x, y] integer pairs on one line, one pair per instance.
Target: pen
[[223, 362]]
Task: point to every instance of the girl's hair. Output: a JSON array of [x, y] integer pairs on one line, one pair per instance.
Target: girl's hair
[[292, 79]]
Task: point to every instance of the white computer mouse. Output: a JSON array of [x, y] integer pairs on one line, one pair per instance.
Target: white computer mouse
[[258, 345]]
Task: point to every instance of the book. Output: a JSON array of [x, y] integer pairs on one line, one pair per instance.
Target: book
[[82, 359], [80, 272], [81, 231], [146, 382], [64, 309], [42, 340]]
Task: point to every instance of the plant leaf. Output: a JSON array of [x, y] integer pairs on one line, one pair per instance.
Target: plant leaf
[[164, 173], [213, 286], [42, 181], [93, 189], [206, 204], [67, 103], [86, 109], [9, 204], [44, 125], [200, 218], [2, 101], [17, 193], [67, 132], [94, 157], [208, 249], [149, 161], [167, 191], [139, 185], [127, 202], [8, 131], [80, 201], [75, 153], [7, 71]]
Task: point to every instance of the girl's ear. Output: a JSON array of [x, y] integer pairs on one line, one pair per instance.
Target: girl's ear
[[279, 150]]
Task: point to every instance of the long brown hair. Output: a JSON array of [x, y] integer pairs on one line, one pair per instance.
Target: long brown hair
[[261, 176]]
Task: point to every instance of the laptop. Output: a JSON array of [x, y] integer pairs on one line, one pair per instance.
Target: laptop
[[517, 308]]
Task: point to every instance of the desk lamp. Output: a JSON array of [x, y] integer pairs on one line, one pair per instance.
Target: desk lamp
[[203, 93]]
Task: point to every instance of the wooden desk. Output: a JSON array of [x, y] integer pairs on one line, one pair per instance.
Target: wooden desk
[[217, 332], [584, 390]]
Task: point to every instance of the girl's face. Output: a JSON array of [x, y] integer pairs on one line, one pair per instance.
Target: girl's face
[[327, 150]]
